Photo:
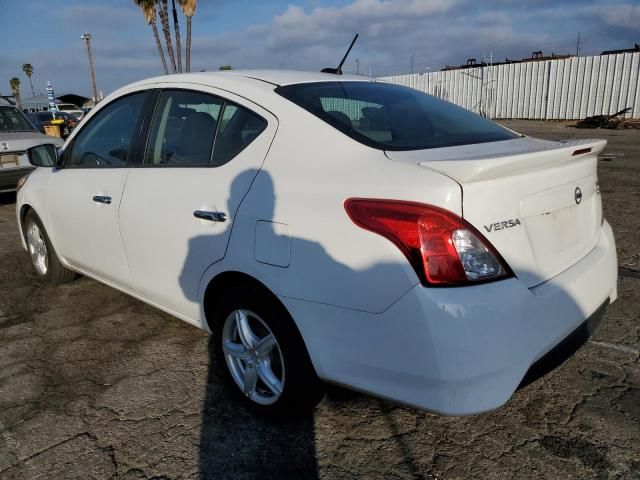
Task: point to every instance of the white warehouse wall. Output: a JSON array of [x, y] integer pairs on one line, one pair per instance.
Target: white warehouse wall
[[571, 88]]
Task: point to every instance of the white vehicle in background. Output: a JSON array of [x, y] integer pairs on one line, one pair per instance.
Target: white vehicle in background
[[17, 134], [332, 228], [71, 109]]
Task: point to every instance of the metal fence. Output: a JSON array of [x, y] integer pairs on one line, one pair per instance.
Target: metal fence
[[571, 88]]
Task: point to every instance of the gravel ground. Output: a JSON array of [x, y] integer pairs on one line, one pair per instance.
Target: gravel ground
[[94, 384]]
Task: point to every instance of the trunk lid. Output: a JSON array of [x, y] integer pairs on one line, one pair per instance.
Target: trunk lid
[[537, 201]]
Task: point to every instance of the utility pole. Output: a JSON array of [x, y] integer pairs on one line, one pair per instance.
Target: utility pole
[[87, 38], [413, 58], [357, 66], [578, 46]]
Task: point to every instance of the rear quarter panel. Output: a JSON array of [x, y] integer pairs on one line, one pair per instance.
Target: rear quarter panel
[[310, 170]]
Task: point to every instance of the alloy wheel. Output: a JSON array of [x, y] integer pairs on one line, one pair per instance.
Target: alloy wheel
[[37, 248], [253, 356]]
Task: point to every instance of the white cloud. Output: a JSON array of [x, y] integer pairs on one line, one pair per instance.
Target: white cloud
[[435, 32], [621, 15]]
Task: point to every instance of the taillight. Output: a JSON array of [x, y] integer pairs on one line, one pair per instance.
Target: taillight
[[442, 247]]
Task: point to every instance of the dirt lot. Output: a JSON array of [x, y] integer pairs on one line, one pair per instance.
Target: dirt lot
[[94, 384]]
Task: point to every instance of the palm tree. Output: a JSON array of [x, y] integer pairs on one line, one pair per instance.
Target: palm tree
[[189, 9], [27, 68], [176, 28], [15, 88], [164, 20], [149, 10]]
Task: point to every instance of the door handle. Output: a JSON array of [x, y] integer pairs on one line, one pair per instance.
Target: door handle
[[106, 199], [211, 216]]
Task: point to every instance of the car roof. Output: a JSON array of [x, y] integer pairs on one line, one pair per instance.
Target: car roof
[[256, 85], [256, 78], [288, 77]]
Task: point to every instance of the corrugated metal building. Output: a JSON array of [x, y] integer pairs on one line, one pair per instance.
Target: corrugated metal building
[[571, 88]]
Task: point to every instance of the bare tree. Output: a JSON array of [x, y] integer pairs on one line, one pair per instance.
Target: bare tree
[[149, 10], [189, 10], [176, 29], [164, 20], [27, 68], [15, 89]]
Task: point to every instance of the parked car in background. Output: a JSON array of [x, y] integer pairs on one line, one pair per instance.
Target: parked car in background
[[72, 109], [17, 134], [66, 121], [332, 228], [70, 120]]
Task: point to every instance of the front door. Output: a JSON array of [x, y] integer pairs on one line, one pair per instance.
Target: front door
[[178, 207], [84, 196]]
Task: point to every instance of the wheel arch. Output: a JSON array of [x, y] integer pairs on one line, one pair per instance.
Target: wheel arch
[[24, 209], [214, 295], [216, 287]]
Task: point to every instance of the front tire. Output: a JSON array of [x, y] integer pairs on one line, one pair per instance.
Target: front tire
[[262, 355], [44, 259]]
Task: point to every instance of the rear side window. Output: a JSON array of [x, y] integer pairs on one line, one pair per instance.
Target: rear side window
[[183, 129], [391, 117], [192, 129], [238, 128]]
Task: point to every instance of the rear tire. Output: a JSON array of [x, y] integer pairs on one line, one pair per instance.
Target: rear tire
[[261, 354], [44, 259]]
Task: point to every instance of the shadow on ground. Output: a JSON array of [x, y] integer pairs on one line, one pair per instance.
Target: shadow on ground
[[7, 198], [236, 444]]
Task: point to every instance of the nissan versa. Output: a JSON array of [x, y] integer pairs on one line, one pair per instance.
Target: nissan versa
[[329, 228]]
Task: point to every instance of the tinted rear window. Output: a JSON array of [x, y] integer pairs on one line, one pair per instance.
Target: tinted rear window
[[391, 117]]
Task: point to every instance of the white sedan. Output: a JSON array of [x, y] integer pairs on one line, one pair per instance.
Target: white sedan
[[329, 228]]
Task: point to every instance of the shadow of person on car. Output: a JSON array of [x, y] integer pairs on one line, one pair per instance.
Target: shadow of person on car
[[234, 442]]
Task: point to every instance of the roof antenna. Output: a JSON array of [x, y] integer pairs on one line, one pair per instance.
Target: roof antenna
[[338, 71]]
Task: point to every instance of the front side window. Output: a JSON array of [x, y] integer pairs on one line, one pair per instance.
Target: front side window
[[391, 117], [108, 139], [193, 129]]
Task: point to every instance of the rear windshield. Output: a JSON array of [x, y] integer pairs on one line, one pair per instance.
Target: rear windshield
[[392, 117], [13, 120]]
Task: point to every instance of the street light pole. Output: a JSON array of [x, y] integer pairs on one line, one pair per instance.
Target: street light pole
[[87, 38]]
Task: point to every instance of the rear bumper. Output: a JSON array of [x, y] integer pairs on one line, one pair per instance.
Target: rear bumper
[[460, 351], [565, 349]]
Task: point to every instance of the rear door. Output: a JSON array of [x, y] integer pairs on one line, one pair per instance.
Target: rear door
[[203, 151], [84, 196]]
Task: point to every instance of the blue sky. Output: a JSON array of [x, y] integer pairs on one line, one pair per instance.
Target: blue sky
[[303, 34]]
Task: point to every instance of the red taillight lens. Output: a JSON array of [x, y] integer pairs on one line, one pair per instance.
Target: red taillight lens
[[442, 247]]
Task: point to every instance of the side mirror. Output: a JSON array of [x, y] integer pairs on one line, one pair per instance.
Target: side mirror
[[43, 155]]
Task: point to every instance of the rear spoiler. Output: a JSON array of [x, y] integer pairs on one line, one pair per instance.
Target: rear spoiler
[[526, 156]]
